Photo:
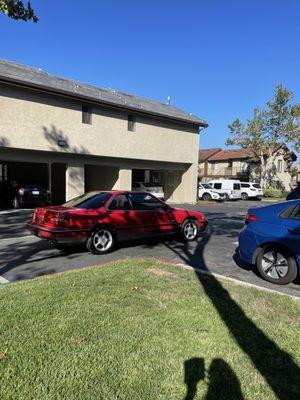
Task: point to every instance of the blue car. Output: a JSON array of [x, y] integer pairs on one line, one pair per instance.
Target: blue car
[[271, 241]]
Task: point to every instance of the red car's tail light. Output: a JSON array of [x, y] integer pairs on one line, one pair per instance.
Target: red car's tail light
[[21, 191], [251, 217], [59, 220]]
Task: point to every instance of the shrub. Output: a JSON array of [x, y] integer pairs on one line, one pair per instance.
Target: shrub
[[273, 193]]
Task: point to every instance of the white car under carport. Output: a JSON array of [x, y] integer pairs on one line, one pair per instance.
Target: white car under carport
[[152, 188]]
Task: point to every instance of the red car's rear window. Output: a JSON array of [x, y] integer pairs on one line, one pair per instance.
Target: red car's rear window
[[91, 200]]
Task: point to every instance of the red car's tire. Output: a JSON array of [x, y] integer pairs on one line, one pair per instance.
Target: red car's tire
[[190, 230], [102, 240]]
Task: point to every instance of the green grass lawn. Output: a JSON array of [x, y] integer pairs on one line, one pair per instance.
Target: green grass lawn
[[141, 329]]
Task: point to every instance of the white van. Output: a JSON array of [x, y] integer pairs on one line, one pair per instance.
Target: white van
[[230, 187]]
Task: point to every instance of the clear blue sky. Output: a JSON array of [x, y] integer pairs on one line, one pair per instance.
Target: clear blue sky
[[217, 59]]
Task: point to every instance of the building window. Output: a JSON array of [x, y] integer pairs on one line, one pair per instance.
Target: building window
[[279, 166], [131, 123], [244, 166], [86, 114], [213, 166], [3, 172]]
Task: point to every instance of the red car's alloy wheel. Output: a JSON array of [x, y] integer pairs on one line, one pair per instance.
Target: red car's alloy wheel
[[190, 230], [101, 241]]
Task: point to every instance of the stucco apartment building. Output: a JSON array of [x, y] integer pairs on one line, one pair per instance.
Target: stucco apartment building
[[244, 165], [74, 137]]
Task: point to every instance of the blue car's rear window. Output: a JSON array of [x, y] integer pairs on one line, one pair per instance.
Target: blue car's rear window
[[287, 212]]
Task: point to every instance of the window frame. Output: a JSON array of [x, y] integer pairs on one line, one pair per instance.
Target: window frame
[[131, 123], [86, 114], [287, 212], [294, 212], [148, 209], [217, 183], [280, 166], [116, 209]]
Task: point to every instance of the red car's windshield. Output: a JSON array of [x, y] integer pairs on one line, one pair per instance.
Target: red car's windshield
[[91, 200]]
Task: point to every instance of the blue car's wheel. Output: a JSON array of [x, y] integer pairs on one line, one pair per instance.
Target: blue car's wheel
[[276, 265]]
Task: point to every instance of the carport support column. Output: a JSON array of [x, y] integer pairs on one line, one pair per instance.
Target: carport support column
[[74, 180], [185, 185], [189, 182], [124, 180]]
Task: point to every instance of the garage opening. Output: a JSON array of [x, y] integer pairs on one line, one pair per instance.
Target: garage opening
[[169, 180], [100, 177], [147, 176], [13, 174]]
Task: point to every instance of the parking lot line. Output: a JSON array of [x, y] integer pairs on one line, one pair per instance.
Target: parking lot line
[[3, 281]]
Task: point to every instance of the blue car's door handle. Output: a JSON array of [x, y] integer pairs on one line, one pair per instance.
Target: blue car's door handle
[[295, 231]]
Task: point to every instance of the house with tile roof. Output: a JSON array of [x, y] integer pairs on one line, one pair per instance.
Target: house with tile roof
[[244, 165]]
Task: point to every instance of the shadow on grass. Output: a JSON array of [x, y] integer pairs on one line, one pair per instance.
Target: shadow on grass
[[277, 367], [222, 381]]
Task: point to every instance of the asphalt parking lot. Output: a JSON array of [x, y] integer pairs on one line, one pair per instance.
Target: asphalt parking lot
[[24, 257]]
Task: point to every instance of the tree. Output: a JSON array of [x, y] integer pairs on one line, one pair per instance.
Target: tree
[[16, 9], [278, 123]]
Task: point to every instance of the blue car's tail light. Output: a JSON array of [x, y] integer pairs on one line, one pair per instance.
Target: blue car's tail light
[[251, 217]]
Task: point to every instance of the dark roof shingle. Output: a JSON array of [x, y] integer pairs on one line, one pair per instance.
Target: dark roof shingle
[[12, 72]]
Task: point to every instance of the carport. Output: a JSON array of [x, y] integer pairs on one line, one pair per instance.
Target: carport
[[21, 172], [17, 169], [171, 177], [27, 172]]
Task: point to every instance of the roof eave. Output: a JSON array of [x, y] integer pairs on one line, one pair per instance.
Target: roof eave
[[31, 85]]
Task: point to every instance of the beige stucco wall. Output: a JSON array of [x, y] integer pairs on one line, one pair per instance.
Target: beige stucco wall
[[221, 167], [282, 179], [32, 120], [74, 181]]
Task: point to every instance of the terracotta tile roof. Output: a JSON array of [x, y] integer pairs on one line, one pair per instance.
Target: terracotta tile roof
[[237, 154], [205, 154]]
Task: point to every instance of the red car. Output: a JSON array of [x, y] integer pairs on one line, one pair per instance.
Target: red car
[[99, 219]]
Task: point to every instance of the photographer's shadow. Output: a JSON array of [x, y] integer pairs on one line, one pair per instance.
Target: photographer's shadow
[[222, 381]]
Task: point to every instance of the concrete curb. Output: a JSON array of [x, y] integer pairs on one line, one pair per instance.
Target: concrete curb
[[233, 280], [3, 281]]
